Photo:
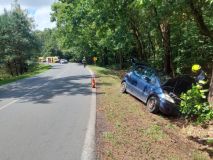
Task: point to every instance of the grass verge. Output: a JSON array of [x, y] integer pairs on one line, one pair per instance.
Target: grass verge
[[32, 72], [125, 130]]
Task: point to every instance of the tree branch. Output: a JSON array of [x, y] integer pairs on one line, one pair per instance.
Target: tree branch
[[197, 14]]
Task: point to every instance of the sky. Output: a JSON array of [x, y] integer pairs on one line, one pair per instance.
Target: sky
[[38, 9]]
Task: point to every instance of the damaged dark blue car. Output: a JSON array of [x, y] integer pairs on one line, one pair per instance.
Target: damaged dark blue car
[[158, 91]]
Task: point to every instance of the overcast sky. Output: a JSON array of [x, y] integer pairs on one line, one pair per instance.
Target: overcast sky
[[38, 9]]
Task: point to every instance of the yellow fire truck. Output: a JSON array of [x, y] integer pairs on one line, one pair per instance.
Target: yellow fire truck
[[54, 59]]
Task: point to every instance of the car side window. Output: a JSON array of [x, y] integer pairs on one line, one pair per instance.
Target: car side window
[[149, 75], [153, 79], [148, 72]]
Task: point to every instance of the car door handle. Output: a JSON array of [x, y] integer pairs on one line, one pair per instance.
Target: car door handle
[[145, 88], [135, 82]]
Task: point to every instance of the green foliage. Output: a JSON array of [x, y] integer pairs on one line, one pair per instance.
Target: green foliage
[[115, 31], [193, 106], [17, 41], [33, 70], [48, 43]]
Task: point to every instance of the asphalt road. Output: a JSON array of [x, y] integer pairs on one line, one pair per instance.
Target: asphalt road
[[45, 117]]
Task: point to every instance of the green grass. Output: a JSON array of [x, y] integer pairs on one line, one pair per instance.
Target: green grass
[[210, 141], [155, 132], [32, 72], [100, 71], [108, 136], [198, 156], [129, 130]]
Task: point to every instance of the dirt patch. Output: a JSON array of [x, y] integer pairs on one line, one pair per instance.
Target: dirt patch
[[126, 130]]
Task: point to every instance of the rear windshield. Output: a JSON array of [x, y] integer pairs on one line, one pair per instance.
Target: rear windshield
[[141, 70]]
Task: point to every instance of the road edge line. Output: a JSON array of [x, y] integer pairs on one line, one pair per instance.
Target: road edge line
[[88, 152]]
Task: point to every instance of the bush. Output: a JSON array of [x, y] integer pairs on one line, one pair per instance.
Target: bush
[[194, 106]]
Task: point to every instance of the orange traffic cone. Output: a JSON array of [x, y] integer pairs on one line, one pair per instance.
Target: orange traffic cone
[[93, 82]]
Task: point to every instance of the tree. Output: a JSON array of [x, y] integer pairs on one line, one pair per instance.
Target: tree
[[161, 33], [197, 13], [17, 41], [49, 45], [210, 98]]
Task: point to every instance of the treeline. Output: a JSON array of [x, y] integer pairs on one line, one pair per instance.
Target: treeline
[[49, 44], [18, 43], [170, 35]]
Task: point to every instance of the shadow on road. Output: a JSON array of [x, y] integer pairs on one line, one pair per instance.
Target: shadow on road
[[43, 89]]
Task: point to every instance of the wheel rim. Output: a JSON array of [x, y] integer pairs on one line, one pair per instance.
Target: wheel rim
[[123, 87], [152, 104]]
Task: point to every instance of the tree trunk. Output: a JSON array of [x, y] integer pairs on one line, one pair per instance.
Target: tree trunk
[[21, 66], [197, 14], [210, 98], [16, 67], [152, 46], [139, 42], [102, 58], [139, 46], [106, 62], [121, 60], [165, 30], [10, 68]]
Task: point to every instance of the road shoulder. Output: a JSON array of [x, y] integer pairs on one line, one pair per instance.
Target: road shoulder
[[88, 152], [126, 130]]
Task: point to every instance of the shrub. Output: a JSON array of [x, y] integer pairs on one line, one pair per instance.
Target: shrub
[[195, 107]]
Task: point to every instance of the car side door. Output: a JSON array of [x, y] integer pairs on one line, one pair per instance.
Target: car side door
[[134, 77], [146, 84]]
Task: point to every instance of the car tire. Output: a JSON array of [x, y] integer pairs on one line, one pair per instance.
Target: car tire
[[123, 87], [153, 104]]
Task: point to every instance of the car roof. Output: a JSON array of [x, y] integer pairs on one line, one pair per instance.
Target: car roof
[[146, 66]]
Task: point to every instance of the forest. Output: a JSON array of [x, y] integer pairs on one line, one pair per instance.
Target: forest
[[42, 111], [170, 35], [18, 43]]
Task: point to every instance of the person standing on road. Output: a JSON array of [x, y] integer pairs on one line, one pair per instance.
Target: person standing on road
[[200, 78], [84, 62]]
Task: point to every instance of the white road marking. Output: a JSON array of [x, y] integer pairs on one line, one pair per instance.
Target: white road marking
[[14, 101], [88, 152], [5, 106]]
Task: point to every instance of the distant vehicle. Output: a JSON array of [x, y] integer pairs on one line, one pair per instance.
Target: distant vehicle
[[49, 59], [52, 59], [63, 61], [41, 59], [157, 90]]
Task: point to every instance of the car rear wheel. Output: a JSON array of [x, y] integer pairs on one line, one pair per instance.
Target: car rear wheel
[[152, 104], [123, 87]]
